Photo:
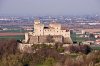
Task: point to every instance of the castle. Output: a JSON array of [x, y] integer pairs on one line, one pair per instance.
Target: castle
[[51, 34]]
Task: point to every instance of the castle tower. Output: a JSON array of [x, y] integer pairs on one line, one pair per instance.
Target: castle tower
[[36, 21], [38, 27], [55, 25]]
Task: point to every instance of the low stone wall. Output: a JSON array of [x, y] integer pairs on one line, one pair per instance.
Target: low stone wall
[[33, 39], [25, 47]]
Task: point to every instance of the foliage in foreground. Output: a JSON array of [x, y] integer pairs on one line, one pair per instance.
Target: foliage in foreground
[[44, 56]]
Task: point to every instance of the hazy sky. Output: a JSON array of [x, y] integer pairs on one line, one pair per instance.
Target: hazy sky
[[49, 7]]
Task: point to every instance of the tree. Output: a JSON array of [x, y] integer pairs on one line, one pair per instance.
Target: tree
[[84, 49], [11, 60], [8, 46], [68, 62], [49, 62], [91, 36], [81, 48]]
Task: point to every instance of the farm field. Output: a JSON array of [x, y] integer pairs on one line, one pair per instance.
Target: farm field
[[17, 37], [12, 34]]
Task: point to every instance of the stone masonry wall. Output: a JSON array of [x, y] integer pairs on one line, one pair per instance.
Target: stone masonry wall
[[43, 39]]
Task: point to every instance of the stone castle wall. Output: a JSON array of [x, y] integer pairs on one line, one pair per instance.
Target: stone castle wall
[[44, 39], [33, 39]]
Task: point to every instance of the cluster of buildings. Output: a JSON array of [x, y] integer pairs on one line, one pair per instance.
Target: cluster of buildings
[[92, 36], [52, 33], [42, 34]]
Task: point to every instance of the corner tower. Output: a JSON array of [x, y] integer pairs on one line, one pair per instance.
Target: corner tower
[[38, 27], [36, 21]]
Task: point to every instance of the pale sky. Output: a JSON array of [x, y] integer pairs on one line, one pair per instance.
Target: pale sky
[[49, 7]]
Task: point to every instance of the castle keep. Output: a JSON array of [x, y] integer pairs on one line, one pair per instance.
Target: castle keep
[[51, 34]]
